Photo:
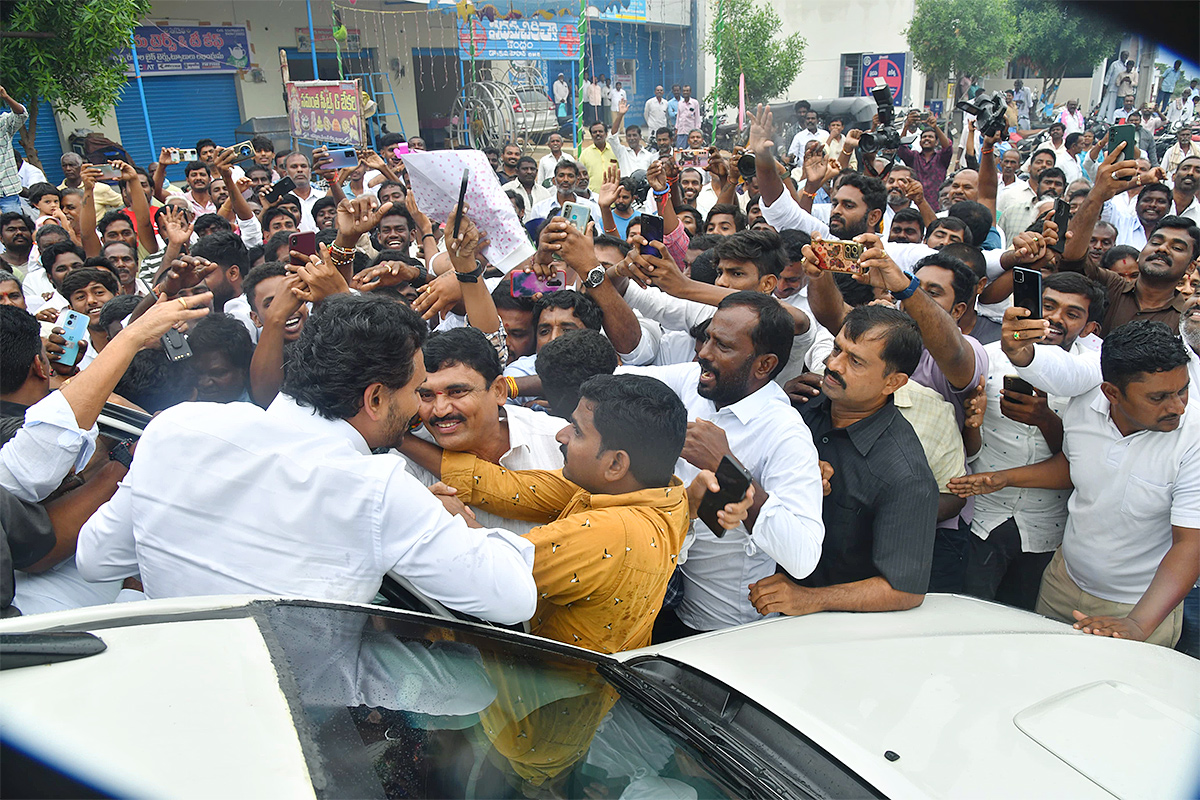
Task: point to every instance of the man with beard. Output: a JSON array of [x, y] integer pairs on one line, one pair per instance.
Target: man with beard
[[16, 234], [124, 260], [232, 258], [1183, 196], [1016, 206], [198, 179], [1153, 203], [1170, 249], [509, 157], [1015, 532], [897, 200], [930, 162], [1183, 148], [737, 409], [811, 132], [566, 176], [881, 505], [526, 184], [189, 532]]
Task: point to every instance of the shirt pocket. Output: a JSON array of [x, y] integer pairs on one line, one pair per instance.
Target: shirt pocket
[[1145, 499]]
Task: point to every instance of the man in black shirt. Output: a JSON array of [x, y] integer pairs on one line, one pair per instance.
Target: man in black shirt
[[881, 506]]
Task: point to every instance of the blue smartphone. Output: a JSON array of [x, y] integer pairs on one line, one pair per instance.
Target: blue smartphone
[[652, 231], [340, 158], [74, 327]]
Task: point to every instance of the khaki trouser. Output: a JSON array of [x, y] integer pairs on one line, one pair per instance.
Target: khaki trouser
[[1060, 595]]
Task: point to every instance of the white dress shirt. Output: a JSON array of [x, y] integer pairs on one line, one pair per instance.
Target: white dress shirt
[[284, 502], [627, 159], [542, 209], [307, 223], [531, 445], [770, 439], [800, 141], [34, 462], [655, 114], [531, 198], [548, 164], [1129, 490], [1040, 513]]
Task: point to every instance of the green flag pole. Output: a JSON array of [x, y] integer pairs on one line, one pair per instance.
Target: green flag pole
[[718, 36], [583, 29]]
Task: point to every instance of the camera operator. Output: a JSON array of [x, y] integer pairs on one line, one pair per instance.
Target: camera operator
[[930, 163]]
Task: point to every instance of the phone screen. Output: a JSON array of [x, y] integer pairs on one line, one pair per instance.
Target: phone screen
[[652, 231], [527, 284]]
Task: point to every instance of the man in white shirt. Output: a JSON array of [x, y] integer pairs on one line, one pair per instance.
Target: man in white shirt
[[1068, 159], [632, 155], [1023, 98], [561, 89], [1109, 99], [1016, 531], [548, 162], [565, 176], [300, 171], [1153, 203], [616, 96], [1183, 148], [811, 132], [1185, 183], [291, 501], [526, 184], [655, 112], [1131, 452]]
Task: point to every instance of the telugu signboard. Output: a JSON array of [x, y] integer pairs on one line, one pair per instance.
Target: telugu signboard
[[890, 67], [323, 38], [520, 39], [167, 49], [326, 111]]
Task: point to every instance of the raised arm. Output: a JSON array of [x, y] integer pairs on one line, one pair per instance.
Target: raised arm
[[989, 181], [462, 249], [140, 206], [87, 214], [762, 131]]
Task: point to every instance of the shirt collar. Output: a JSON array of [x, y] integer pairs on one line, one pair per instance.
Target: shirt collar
[[662, 497], [756, 403], [864, 433], [307, 419]]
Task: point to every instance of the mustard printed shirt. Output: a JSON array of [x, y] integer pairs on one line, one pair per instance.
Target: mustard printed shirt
[[601, 562]]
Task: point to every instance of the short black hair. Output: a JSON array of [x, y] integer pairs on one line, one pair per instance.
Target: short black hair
[[1075, 283], [970, 255], [20, 344], [1176, 222], [261, 143], [195, 166], [10, 216], [762, 248], [155, 382], [1052, 172], [82, 277], [1153, 188], [794, 242], [584, 307], [268, 269], [39, 190], [643, 417], [695, 212], [103, 263], [704, 266], [516, 198], [902, 345], [118, 309], [910, 215], [727, 209], [873, 190], [207, 224], [1138, 348], [271, 247], [566, 163], [1114, 254], [526, 160], [964, 280], [704, 241], [221, 333], [854, 293], [389, 185], [108, 219], [774, 331], [225, 249], [203, 143], [348, 343], [275, 211], [257, 168], [322, 204], [606, 240], [951, 224], [466, 346], [565, 363], [51, 253], [977, 217], [1072, 138]]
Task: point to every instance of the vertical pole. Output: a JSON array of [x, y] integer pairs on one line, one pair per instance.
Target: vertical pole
[[583, 32], [312, 40], [718, 36], [137, 72]]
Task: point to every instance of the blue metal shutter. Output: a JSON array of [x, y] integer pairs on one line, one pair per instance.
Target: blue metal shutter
[[49, 148], [183, 110]]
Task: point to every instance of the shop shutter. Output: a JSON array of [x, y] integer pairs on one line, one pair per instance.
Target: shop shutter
[[49, 148]]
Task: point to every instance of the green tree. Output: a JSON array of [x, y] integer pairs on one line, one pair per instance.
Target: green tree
[[1053, 38], [65, 51], [744, 38], [964, 37]]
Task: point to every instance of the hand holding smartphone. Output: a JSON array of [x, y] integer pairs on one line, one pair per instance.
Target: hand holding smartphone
[[301, 242], [734, 481], [652, 231], [74, 327], [278, 190], [836, 255], [1027, 291], [527, 284]]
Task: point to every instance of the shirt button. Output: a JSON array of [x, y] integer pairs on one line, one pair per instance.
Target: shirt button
[[824, 440]]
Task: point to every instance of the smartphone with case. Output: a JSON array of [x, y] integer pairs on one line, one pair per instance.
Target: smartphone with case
[[652, 231], [1126, 134], [577, 214], [172, 156], [242, 151], [836, 255], [74, 327], [1014, 383], [278, 190], [527, 284], [303, 242], [187, 154], [734, 481], [1062, 217], [1027, 291], [340, 158], [108, 172]]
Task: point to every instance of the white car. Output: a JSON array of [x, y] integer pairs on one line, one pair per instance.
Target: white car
[[243, 697]]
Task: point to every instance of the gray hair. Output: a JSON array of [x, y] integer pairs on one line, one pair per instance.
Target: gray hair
[[71, 158], [5, 275]]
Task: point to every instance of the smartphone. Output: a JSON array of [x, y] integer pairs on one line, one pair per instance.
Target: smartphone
[[172, 156], [242, 151], [527, 284], [1127, 134], [302, 242], [74, 327], [1062, 217], [1013, 383], [186, 154], [687, 158], [1027, 291], [400, 150], [577, 214], [652, 231], [734, 480], [836, 255], [462, 196], [175, 346], [341, 158], [108, 172], [278, 190]]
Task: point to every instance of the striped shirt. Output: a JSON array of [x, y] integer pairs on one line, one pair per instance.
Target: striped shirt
[[10, 179]]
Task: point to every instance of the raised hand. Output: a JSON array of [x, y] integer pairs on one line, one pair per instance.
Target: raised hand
[[609, 188], [186, 272], [463, 248], [358, 216], [762, 129], [165, 314], [387, 273], [321, 278], [177, 226]]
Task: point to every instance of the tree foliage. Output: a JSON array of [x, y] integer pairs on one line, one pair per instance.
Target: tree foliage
[[76, 65], [966, 37], [750, 44], [1053, 37]]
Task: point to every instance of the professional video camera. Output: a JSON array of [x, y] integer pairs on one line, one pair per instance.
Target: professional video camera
[[641, 186], [988, 110], [885, 136]]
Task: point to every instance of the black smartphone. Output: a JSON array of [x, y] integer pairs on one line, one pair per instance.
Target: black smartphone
[[1027, 291], [301, 242], [462, 195], [175, 345], [734, 480], [1013, 383], [652, 231], [278, 190], [1062, 217], [1126, 134]]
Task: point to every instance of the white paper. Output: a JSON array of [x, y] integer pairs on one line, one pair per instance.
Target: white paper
[[435, 177]]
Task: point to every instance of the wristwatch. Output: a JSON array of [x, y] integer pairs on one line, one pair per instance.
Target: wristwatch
[[595, 277], [472, 276]]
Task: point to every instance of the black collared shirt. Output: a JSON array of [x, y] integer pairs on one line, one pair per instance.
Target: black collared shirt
[[881, 511]]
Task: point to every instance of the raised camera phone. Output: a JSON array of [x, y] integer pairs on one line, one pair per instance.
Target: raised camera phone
[[187, 154], [1013, 383], [462, 196], [1027, 291], [341, 158], [577, 214], [527, 284], [734, 480], [836, 255], [242, 151], [74, 327], [652, 231], [108, 172], [1127, 135], [301, 242], [278, 190], [1062, 218]]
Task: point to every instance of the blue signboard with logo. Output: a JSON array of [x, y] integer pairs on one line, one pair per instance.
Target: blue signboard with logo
[[167, 49], [521, 39], [889, 67]]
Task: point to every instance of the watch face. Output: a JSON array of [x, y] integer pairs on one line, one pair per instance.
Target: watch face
[[595, 277]]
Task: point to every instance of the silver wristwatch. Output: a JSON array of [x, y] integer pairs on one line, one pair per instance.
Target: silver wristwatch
[[595, 277]]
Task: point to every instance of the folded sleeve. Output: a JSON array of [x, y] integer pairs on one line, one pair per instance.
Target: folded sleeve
[[45, 449]]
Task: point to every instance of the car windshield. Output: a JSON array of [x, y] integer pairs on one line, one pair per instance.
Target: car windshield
[[389, 706]]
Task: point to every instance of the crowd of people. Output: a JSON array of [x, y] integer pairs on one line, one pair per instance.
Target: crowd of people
[[393, 404]]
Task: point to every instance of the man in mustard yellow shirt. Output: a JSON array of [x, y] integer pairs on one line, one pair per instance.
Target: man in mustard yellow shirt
[[599, 157], [615, 515]]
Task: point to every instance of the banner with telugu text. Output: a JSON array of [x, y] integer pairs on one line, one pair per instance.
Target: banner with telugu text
[[326, 111]]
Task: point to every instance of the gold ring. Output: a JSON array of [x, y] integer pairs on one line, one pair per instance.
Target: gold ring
[[1016, 334], [182, 302]]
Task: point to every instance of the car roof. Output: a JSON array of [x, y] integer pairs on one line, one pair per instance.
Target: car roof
[[958, 686]]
